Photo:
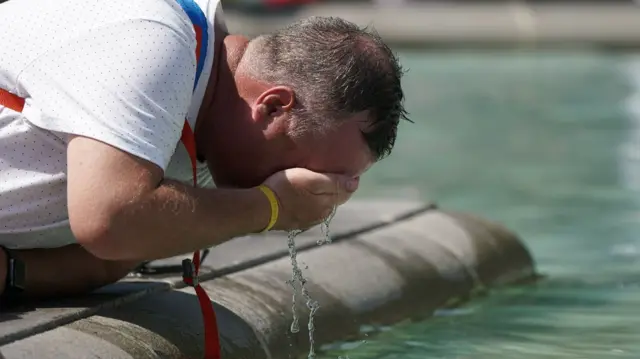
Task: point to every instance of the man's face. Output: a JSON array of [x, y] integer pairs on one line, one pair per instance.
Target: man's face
[[257, 143], [248, 163], [342, 150]]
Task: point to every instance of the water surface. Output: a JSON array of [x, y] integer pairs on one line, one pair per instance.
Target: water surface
[[547, 143]]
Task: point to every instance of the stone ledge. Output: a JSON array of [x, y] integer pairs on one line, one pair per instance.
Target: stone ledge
[[422, 260]]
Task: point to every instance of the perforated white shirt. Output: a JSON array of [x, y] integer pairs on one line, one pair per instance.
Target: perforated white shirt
[[119, 71]]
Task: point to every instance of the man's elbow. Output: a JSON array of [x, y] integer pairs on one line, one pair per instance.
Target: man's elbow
[[103, 182], [99, 234]]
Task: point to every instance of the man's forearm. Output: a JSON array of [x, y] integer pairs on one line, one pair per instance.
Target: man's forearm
[[65, 271], [176, 218]]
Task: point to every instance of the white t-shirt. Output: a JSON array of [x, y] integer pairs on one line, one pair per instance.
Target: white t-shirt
[[119, 71]]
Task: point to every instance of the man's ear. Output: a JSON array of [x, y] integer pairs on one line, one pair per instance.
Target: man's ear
[[273, 103]]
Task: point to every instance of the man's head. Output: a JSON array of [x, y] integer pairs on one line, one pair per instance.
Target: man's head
[[321, 94]]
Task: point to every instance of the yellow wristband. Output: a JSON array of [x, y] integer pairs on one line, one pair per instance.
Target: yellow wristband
[[273, 201]]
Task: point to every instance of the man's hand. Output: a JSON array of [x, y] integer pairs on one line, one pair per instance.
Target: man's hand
[[306, 198]]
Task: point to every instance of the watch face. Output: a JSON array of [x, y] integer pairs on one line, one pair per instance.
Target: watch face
[[16, 274]]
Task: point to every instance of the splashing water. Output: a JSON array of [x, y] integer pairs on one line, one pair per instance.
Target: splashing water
[[302, 281]]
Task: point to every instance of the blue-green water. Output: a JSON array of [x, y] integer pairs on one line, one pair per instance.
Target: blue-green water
[[547, 143]]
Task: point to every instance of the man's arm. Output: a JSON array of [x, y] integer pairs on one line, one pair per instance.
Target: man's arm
[[121, 208], [122, 212], [64, 271]]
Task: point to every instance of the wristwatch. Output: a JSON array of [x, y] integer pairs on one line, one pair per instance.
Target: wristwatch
[[15, 280]]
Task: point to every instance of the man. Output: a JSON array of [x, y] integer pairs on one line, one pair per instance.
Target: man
[[93, 179]]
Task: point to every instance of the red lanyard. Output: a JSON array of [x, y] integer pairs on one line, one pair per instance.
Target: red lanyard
[[191, 268]]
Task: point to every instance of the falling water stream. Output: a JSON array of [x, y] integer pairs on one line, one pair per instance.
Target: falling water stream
[[298, 277]]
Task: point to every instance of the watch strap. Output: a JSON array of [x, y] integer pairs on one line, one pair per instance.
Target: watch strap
[[14, 280]]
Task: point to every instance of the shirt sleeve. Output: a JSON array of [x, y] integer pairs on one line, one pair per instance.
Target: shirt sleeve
[[127, 84]]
